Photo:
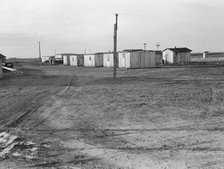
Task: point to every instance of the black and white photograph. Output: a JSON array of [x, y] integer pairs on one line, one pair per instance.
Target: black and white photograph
[[112, 84]]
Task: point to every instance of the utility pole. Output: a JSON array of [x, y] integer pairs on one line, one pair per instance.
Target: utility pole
[[115, 46], [39, 51]]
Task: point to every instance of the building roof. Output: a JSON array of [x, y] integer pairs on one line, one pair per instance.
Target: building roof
[[2, 55], [158, 52], [184, 49], [132, 50]]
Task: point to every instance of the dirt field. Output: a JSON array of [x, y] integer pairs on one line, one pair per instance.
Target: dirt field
[[71, 118]]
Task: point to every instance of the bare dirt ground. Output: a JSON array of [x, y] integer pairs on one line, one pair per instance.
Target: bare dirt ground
[[71, 118]]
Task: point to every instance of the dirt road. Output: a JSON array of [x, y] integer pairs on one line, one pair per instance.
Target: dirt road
[[66, 117]]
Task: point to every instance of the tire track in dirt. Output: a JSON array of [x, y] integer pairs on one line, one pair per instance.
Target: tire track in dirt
[[21, 120], [55, 102], [119, 158], [36, 96]]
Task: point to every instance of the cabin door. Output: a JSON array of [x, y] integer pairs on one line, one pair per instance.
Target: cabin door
[[108, 61], [123, 60]]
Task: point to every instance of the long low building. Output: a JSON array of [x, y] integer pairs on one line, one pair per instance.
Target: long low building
[[126, 59]]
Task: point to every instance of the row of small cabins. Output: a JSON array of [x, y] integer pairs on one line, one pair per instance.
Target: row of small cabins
[[127, 58]]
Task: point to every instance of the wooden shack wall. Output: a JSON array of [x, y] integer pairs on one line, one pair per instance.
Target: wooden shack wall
[[183, 58], [99, 60], [152, 56], [159, 58], [135, 60], [108, 60], [73, 60], [80, 60], [65, 59], [1, 72], [124, 59], [148, 59], [89, 60], [145, 60], [127, 60], [168, 56], [121, 60]]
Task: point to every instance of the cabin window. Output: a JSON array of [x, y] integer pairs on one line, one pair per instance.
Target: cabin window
[[89, 58], [108, 58]]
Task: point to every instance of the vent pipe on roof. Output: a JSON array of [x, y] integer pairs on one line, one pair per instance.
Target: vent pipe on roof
[[175, 51], [144, 45], [157, 46]]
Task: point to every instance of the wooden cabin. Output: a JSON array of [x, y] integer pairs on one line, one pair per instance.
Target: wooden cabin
[[76, 60], [93, 60], [136, 59], [176, 55], [108, 60]]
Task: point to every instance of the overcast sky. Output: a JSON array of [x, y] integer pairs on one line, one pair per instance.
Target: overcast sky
[[79, 25]]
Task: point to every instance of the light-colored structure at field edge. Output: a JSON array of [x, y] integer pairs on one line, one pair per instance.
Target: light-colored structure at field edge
[[176, 55], [45, 59], [108, 60], [137, 59], [66, 59], [205, 54], [93, 60], [2, 60]]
